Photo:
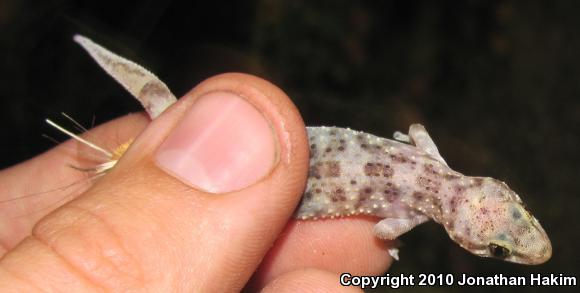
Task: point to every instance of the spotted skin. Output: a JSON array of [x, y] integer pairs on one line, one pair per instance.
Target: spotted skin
[[405, 182], [354, 173]]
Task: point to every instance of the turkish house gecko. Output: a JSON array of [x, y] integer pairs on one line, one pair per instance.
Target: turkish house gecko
[[404, 181]]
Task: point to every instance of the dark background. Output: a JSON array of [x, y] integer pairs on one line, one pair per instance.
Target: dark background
[[497, 83]]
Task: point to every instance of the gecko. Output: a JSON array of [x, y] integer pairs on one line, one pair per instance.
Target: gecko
[[404, 181]]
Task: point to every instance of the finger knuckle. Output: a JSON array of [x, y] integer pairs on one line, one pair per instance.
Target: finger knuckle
[[91, 247]]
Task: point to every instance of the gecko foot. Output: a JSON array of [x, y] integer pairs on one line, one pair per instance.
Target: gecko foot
[[394, 253], [401, 137]]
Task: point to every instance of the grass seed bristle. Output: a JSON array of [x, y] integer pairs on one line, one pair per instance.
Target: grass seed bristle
[[80, 139]]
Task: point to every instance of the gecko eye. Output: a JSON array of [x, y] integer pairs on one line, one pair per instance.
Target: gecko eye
[[498, 251]]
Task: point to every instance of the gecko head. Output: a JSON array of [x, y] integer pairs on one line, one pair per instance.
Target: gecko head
[[494, 222]]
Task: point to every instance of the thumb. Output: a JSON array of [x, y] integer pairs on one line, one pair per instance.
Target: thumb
[[193, 205]]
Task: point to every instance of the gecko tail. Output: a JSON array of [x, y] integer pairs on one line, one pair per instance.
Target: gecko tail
[[143, 85]]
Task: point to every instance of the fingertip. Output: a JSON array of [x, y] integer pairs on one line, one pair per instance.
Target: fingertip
[[254, 212]]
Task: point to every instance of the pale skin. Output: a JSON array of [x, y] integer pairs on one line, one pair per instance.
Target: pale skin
[[139, 228]]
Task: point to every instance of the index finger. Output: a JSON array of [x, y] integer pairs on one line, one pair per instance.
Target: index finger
[[335, 245]]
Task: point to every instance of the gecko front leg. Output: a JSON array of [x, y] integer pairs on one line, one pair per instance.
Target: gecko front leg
[[391, 228], [419, 137]]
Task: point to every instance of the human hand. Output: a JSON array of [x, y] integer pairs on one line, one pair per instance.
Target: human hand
[[150, 225]]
